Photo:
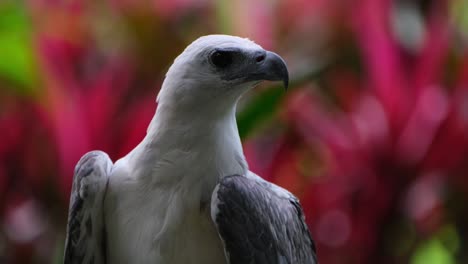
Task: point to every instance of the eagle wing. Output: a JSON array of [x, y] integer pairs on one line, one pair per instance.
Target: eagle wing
[[85, 242], [260, 222]]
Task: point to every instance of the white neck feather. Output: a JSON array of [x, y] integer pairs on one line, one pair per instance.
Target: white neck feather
[[208, 133]]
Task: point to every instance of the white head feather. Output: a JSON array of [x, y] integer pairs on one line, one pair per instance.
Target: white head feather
[[190, 79]]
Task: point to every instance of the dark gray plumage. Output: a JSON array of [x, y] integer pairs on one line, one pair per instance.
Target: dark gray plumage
[[85, 242], [260, 223]]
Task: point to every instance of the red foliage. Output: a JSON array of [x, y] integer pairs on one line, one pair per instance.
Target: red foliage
[[393, 150]]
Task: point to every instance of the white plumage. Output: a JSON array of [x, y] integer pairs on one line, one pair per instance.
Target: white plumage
[[157, 206]]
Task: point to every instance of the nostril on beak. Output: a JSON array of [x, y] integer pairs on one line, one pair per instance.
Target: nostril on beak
[[259, 58]]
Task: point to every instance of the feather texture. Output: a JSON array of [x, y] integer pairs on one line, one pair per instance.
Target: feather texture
[[260, 223], [85, 242], [153, 206]]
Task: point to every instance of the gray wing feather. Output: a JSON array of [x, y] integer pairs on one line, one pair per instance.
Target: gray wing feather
[[85, 242], [260, 223]]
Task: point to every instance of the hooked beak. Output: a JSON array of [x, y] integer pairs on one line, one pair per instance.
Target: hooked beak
[[271, 68]]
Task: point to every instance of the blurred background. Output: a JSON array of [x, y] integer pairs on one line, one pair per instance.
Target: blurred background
[[372, 136]]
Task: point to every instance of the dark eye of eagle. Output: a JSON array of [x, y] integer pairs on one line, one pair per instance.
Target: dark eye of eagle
[[221, 59]]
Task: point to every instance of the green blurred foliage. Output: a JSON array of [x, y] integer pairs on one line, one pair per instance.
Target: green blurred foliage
[[17, 60], [459, 10]]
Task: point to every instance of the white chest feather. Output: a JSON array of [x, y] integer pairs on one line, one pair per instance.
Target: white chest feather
[[165, 218], [158, 200]]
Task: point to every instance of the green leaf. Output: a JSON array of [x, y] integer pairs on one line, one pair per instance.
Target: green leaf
[[459, 14], [17, 64], [432, 252], [224, 16], [260, 108]]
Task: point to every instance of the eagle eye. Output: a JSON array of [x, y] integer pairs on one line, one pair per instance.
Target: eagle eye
[[221, 59]]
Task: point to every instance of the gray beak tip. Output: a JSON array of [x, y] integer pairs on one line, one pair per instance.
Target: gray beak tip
[[278, 69]]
